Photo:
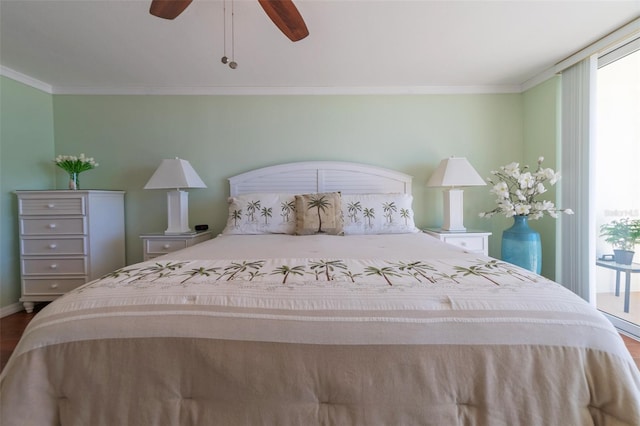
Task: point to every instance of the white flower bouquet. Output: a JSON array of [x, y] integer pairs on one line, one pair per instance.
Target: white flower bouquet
[[517, 189], [73, 164]]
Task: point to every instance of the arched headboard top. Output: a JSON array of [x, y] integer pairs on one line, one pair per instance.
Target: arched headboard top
[[321, 176]]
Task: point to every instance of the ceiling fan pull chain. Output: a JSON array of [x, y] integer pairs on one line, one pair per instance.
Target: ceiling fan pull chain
[[225, 59], [233, 64]]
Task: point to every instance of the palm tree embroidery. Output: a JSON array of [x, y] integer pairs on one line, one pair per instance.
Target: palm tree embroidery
[[446, 276], [482, 269], [515, 272], [201, 271], [117, 273], [160, 269], [236, 215], [353, 208], [369, 213], [235, 268], [255, 274], [406, 215], [350, 275], [327, 267], [321, 203], [417, 268], [287, 270], [252, 208], [287, 208], [266, 213], [388, 209], [384, 272]]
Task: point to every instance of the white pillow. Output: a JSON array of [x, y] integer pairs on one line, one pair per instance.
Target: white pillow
[[378, 214], [261, 213]]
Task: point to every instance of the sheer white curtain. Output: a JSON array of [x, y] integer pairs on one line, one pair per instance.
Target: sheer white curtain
[[576, 258]]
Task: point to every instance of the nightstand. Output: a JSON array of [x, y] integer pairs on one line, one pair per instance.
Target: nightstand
[[154, 245], [470, 240]]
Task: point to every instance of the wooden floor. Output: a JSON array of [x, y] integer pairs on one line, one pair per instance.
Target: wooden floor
[[12, 326]]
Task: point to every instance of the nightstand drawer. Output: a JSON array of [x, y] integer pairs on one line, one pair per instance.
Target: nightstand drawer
[[51, 246], [53, 266], [470, 241], [52, 226], [50, 286], [164, 246], [52, 206], [466, 242], [154, 245]]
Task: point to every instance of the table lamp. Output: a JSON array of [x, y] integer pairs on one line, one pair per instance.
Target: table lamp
[[176, 174], [453, 173]]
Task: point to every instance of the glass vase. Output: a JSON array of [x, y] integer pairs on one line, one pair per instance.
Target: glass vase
[[74, 182], [521, 245]]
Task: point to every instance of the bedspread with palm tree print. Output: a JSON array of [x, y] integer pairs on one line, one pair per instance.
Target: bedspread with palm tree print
[[347, 275]]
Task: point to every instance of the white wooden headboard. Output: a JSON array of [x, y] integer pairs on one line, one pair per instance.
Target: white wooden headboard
[[321, 176]]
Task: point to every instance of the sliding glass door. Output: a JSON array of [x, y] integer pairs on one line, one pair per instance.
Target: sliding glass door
[[617, 181]]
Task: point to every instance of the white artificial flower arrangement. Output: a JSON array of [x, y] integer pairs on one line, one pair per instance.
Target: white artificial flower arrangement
[[517, 190], [73, 164]]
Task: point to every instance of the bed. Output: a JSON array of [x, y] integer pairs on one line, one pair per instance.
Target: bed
[[320, 316]]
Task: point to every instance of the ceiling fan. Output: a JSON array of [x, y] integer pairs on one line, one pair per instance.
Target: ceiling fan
[[283, 13]]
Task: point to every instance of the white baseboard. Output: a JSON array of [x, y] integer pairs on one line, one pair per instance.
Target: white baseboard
[[11, 309]]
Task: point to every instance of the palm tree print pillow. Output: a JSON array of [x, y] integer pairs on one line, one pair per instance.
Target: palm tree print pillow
[[319, 213], [261, 213], [378, 214]]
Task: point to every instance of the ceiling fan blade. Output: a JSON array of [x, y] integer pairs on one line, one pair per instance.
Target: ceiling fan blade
[[168, 9], [285, 15]]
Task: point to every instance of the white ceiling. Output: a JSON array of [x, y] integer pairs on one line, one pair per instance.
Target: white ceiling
[[116, 46]]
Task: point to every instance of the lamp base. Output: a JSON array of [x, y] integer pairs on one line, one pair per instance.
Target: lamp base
[[178, 213], [453, 198]]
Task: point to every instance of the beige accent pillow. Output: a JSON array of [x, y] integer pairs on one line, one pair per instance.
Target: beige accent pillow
[[319, 213]]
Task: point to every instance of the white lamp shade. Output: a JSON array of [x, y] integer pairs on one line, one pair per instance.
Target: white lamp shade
[[451, 173], [455, 171], [175, 173]]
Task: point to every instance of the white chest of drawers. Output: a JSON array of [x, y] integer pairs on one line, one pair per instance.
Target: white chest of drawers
[[68, 238]]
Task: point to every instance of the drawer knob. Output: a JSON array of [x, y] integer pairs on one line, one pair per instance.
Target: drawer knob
[[52, 226], [53, 266], [167, 246], [53, 246], [54, 285], [51, 206]]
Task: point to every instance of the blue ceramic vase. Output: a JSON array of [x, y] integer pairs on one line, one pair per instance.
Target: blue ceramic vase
[[521, 245]]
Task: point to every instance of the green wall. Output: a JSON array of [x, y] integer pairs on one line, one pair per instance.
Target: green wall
[[26, 151], [225, 135]]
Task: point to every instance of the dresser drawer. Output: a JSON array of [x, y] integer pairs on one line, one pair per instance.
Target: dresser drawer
[[54, 266], [466, 242], [164, 246], [52, 206], [52, 246], [50, 286], [52, 226]]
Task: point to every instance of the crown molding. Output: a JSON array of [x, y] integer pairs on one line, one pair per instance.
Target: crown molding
[[25, 79], [285, 90], [622, 35]]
